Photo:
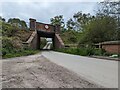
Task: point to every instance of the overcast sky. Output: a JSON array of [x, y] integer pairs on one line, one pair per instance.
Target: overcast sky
[[43, 11]]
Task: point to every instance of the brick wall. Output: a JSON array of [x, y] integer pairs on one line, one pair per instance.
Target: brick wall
[[41, 26], [34, 40], [58, 41], [112, 48]]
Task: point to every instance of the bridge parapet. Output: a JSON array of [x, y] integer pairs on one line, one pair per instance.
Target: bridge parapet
[[44, 27]]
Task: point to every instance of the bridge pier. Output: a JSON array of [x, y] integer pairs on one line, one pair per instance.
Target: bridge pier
[[58, 43]]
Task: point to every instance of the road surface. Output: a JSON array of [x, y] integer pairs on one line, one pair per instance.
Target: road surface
[[102, 72], [47, 46]]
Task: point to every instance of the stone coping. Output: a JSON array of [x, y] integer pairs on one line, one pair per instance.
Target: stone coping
[[110, 42]]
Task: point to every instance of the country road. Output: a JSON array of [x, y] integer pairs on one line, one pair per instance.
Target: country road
[[102, 72], [47, 46]]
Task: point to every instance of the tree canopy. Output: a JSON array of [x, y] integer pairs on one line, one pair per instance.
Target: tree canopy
[[17, 22], [103, 26]]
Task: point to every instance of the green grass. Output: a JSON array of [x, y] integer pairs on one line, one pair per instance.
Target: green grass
[[77, 51], [20, 53], [83, 51]]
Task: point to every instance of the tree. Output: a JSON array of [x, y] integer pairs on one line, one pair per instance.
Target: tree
[[23, 24], [111, 8], [2, 19], [8, 30], [17, 22], [70, 24], [99, 30], [81, 19], [58, 20]]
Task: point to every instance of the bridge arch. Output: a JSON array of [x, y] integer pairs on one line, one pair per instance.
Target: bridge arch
[[44, 30]]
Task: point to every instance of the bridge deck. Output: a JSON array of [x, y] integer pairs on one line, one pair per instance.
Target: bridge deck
[[46, 34]]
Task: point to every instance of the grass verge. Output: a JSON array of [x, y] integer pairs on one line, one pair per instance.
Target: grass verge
[[20, 53], [87, 52]]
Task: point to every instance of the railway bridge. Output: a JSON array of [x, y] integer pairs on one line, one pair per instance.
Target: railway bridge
[[44, 30]]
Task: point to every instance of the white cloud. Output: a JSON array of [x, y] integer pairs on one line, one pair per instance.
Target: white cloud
[[51, 0], [21, 1], [43, 11]]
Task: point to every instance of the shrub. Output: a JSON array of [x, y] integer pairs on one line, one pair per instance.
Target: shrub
[[107, 54], [76, 51], [82, 51], [7, 45], [21, 53], [8, 30], [99, 52]]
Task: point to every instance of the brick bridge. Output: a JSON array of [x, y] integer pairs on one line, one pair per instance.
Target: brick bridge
[[44, 30]]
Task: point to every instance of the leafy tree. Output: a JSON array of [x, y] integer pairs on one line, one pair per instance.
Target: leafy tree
[[110, 8], [81, 20], [17, 22], [58, 20], [100, 29], [70, 37], [70, 24], [14, 20], [2, 19], [8, 29], [23, 24]]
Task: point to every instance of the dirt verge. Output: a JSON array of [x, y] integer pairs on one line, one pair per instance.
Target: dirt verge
[[36, 71]]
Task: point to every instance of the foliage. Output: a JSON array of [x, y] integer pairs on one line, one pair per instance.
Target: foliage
[[104, 26], [17, 22], [81, 19], [99, 52], [8, 29], [58, 20], [12, 47], [20, 53], [70, 24], [100, 29], [82, 51], [111, 8], [2, 19], [23, 24], [108, 7], [70, 36], [12, 38]]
